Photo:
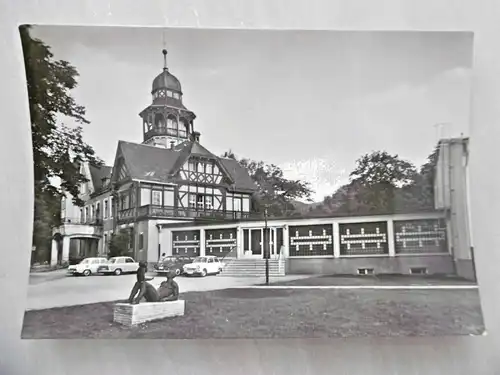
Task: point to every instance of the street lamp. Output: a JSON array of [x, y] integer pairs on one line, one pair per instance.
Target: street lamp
[[266, 246]]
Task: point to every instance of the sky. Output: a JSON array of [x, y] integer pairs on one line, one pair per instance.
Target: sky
[[311, 102]]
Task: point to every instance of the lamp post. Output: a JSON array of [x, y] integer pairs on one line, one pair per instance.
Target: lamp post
[[266, 246]]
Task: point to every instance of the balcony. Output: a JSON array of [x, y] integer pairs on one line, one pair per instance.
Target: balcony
[[151, 211], [77, 226]]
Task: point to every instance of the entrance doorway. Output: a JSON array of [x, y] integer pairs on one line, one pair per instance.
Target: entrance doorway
[[253, 241]]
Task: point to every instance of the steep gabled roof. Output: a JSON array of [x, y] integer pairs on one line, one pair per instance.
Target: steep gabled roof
[[148, 163], [155, 164], [97, 174], [239, 174]]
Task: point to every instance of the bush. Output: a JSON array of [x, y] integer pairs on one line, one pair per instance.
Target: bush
[[119, 243]]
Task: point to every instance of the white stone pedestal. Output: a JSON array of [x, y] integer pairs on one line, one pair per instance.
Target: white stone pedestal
[[131, 315]]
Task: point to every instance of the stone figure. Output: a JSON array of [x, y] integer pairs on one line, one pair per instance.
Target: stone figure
[[140, 284], [168, 290]]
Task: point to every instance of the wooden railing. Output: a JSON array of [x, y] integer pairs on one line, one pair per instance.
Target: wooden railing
[[81, 221], [169, 211]]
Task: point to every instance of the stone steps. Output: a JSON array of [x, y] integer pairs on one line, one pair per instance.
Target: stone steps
[[253, 267]]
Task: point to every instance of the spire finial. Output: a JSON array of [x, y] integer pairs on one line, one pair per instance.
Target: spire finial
[[164, 51]]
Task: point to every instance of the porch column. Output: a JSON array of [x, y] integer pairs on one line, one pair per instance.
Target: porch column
[[286, 242], [336, 240], [390, 238], [239, 243], [202, 242], [53, 253], [160, 250], [65, 249]]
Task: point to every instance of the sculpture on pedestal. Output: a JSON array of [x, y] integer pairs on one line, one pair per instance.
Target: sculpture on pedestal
[[167, 291]]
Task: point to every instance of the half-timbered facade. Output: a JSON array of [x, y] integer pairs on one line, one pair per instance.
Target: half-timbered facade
[[176, 197]]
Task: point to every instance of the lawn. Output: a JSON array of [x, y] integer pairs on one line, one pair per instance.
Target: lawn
[[278, 313]]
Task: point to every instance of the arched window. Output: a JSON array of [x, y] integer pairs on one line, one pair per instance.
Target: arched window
[[171, 126], [183, 128], [159, 122]]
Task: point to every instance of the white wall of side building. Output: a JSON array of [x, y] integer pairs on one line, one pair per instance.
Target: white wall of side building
[[452, 195]]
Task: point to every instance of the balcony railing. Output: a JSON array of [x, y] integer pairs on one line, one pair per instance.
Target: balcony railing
[[168, 211], [81, 221]]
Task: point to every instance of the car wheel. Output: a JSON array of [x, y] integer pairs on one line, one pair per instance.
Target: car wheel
[[203, 273], [177, 272], [118, 272], [86, 273]]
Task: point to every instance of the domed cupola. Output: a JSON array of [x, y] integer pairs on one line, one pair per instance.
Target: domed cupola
[[166, 121]]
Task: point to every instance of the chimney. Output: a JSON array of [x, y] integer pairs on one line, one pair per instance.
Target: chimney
[[196, 136]]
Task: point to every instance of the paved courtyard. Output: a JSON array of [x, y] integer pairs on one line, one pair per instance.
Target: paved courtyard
[[55, 289]]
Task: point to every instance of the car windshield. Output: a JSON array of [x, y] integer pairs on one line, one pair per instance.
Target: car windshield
[[85, 261], [200, 260]]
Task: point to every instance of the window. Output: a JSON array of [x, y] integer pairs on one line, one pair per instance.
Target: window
[[128, 260], [192, 201], [86, 213], [105, 244], [132, 239], [177, 95], [237, 204], [98, 210], [156, 198], [209, 168], [170, 94], [106, 208], [112, 206], [171, 125], [159, 122], [183, 128], [209, 202], [200, 168], [210, 260], [95, 261], [200, 201], [141, 240], [192, 166]]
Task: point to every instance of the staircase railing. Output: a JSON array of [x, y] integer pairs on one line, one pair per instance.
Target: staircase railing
[[230, 257]]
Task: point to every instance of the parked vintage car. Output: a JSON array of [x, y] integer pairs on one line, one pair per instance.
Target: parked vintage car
[[87, 266], [204, 266], [172, 263], [119, 265]]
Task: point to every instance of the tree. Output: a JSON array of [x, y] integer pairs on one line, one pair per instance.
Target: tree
[[420, 193], [58, 150], [275, 192], [380, 175], [383, 183], [119, 243]]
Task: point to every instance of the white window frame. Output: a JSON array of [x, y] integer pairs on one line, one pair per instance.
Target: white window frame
[[105, 204], [209, 203], [192, 200], [159, 194]]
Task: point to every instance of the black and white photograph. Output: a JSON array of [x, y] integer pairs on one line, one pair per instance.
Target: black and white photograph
[[222, 183]]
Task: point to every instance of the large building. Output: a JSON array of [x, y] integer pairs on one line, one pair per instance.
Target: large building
[[176, 197]]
